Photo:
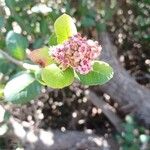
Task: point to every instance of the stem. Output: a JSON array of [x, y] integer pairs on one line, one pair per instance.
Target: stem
[[19, 63]]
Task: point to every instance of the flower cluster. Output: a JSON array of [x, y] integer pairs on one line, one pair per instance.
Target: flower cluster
[[77, 52]]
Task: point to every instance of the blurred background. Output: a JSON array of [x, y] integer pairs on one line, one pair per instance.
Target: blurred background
[[68, 119]]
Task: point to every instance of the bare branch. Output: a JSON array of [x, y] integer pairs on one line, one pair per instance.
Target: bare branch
[[19, 63]]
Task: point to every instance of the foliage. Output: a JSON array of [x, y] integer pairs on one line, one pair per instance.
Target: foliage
[[28, 88], [142, 21], [50, 74], [16, 45], [54, 77], [64, 28], [134, 136], [35, 21], [100, 74]]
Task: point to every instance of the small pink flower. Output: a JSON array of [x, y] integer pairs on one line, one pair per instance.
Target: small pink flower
[[77, 52]]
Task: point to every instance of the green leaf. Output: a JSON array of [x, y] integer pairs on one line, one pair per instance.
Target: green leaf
[[88, 22], [129, 137], [39, 77], [2, 43], [16, 45], [10, 3], [41, 56], [22, 89], [102, 73], [5, 67], [64, 28], [53, 40], [38, 43], [54, 77], [1, 21], [44, 26]]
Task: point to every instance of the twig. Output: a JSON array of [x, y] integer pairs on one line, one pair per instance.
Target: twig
[[19, 63]]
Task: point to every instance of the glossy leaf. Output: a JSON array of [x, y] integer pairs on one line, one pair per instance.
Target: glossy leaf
[[101, 74], [64, 28], [21, 89], [54, 77], [16, 45]]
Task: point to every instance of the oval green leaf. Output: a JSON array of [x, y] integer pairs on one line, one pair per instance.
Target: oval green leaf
[[64, 28], [16, 45], [21, 89], [102, 73], [54, 77]]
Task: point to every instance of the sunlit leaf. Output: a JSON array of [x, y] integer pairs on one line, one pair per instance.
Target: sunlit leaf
[[54, 77], [27, 89], [64, 28], [102, 73]]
